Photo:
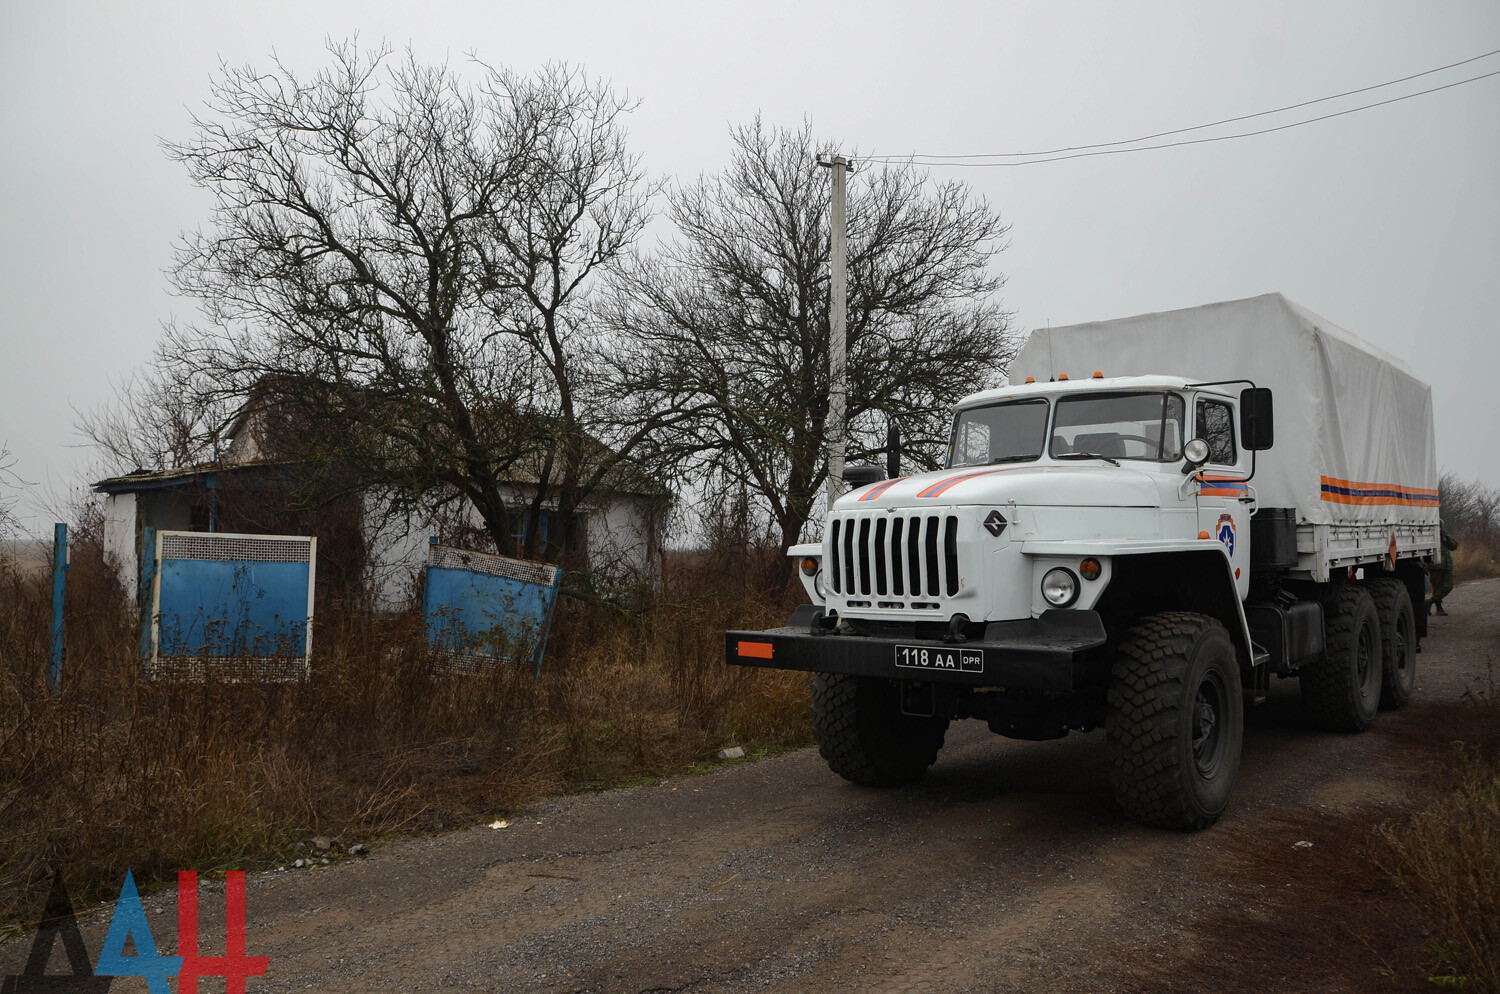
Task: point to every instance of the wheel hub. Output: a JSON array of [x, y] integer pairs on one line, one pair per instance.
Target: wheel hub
[[1208, 733], [1362, 661]]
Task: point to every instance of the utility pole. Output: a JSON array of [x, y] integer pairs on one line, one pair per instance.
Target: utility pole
[[59, 583], [837, 331]]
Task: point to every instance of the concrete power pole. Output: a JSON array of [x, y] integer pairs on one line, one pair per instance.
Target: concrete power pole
[[837, 332]]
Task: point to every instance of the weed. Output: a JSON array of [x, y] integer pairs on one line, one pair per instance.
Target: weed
[[1475, 560], [121, 772], [1446, 858]]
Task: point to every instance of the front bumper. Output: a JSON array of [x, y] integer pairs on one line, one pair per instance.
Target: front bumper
[[1046, 653]]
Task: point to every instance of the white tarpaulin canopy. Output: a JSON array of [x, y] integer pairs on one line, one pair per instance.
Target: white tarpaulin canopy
[[1354, 433]]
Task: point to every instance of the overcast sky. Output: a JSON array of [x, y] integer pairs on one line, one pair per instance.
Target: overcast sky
[[1386, 222]]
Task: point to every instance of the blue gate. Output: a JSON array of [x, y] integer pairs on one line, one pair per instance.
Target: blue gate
[[481, 608], [239, 606]]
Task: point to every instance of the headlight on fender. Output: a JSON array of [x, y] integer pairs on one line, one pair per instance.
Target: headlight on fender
[[809, 566], [1059, 587]]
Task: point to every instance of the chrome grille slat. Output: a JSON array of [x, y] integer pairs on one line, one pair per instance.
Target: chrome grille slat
[[930, 556], [851, 561]]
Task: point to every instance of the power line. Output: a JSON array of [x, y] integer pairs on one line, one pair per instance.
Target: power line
[[1114, 148], [1214, 124]]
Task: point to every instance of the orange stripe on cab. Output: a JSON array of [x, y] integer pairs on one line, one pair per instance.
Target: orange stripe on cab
[[755, 650]]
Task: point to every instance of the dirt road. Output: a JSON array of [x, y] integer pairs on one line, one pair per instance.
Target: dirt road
[[1007, 869]]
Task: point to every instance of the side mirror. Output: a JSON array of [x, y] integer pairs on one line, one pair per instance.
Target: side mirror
[[1196, 453], [1257, 425], [892, 450]]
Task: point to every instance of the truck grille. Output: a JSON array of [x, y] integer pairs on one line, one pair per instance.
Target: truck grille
[[894, 555]]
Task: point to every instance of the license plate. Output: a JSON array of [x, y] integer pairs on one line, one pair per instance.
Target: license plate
[[926, 657]]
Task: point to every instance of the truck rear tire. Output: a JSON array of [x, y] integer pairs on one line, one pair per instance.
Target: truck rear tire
[[1341, 691], [1175, 721], [863, 735], [1398, 641]]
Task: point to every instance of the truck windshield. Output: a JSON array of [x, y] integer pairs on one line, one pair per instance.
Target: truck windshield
[[1143, 426], [1010, 432]]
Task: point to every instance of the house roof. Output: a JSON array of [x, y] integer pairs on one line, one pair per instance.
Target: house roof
[[209, 476], [244, 453]]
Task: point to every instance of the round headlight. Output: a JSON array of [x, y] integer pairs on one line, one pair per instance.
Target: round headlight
[[1059, 587]]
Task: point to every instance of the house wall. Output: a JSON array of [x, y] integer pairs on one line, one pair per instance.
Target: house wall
[[621, 545], [124, 517], [166, 510], [120, 541], [395, 552], [622, 540]]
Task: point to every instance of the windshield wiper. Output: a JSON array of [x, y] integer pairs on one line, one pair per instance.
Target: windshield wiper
[[1087, 455], [1021, 458]]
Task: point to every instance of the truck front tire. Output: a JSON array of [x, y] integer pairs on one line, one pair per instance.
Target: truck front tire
[[1175, 721], [1341, 691], [1398, 641], [864, 736]]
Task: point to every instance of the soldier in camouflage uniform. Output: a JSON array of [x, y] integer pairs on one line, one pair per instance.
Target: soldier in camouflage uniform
[[1441, 575]]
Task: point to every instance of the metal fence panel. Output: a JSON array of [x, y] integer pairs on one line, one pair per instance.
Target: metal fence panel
[[240, 606], [481, 608]]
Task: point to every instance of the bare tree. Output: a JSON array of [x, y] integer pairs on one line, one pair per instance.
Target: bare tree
[[399, 264], [1470, 509], [9, 483], [733, 313], [157, 420]]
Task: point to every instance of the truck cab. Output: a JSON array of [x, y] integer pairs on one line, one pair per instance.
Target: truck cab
[[1039, 479]]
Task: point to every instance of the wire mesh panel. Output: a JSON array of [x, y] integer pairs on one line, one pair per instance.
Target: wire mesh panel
[[235, 607], [480, 608]]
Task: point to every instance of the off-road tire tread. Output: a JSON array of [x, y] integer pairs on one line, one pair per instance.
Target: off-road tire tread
[[1386, 593], [865, 739], [1327, 684], [1144, 699]]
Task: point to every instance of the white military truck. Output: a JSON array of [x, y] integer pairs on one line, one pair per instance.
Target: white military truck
[[1115, 542]]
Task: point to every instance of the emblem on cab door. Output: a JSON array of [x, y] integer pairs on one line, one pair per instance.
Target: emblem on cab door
[[995, 523], [1226, 532]]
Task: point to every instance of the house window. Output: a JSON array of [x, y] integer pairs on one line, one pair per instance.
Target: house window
[[1216, 427]]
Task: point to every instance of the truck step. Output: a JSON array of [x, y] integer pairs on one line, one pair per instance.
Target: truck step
[[1260, 686]]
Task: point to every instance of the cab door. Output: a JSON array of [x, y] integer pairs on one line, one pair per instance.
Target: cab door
[[1224, 496]]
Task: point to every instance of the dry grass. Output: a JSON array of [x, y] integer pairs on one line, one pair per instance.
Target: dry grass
[[119, 772], [1475, 560], [1446, 857], [1471, 513]]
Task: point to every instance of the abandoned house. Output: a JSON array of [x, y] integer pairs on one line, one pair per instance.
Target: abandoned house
[[364, 552]]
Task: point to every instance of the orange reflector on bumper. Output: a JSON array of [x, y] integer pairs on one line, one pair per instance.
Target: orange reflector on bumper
[[756, 650]]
